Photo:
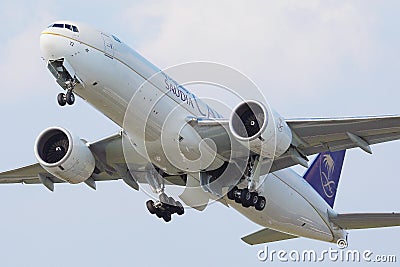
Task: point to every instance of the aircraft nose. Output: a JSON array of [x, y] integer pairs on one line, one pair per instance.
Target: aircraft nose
[[52, 45]]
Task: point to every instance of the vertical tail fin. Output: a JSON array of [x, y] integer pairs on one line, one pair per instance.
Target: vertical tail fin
[[324, 174]]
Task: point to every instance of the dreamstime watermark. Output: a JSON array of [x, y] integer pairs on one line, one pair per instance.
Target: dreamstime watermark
[[339, 254]]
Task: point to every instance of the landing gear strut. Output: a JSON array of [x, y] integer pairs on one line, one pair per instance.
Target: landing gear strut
[[247, 198]]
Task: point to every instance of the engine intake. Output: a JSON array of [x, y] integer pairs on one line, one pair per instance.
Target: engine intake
[[63, 155], [262, 130], [248, 120], [53, 146]]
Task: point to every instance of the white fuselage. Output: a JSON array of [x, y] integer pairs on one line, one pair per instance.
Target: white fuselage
[[111, 75]]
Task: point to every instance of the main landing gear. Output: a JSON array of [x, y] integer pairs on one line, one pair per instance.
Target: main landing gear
[[69, 97], [165, 207], [247, 198]]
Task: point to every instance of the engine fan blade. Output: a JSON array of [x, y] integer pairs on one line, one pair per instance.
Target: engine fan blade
[[56, 148]]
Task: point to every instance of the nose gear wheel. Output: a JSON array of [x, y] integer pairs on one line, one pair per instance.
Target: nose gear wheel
[[68, 98]]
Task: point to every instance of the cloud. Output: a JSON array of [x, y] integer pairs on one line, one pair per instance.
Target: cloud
[[293, 46], [21, 68]]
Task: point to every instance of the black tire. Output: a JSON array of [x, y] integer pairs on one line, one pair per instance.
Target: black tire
[[243, 197], [150, 206], [171, 201], [167, 216], [70, 98], [231, 193], [261, 203], [171, 205], [159, 213], [61, 99], [254, 198], [238, 196], [180, 208]]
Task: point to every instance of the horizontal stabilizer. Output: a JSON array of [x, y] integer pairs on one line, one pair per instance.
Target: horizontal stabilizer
[[266, 235], [366, 220]]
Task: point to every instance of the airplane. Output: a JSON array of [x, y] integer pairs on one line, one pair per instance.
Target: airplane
[[245, 158]]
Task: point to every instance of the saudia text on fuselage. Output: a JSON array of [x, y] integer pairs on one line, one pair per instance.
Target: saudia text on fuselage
[[188, 98]]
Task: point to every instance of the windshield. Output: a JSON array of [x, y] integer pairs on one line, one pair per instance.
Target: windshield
[[70, 27]]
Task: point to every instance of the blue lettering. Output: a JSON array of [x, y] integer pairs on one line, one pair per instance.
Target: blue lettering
[[189, 102], [197, 104], [179, 91]]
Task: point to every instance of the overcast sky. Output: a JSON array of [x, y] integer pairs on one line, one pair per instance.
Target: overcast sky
[[311, 59]]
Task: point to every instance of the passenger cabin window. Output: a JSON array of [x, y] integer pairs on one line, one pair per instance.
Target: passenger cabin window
[[70, 27]]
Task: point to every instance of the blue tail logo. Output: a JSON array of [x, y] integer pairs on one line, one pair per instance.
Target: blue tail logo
[[324, 174], [326, 171]]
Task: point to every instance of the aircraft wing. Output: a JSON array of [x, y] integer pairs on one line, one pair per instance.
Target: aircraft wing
[[311, 136], [31, 175], [110, 165], [26, 175]]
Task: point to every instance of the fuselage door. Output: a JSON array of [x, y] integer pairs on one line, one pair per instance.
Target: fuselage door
[[108, 45]]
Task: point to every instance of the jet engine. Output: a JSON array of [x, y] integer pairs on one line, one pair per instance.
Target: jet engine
[[63, 155], [263, 130]]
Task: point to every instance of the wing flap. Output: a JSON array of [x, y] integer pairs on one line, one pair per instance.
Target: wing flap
[[366, 220], [266, 235]]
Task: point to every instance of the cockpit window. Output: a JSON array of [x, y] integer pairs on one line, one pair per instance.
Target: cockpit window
[[116, 39], [70, 27]]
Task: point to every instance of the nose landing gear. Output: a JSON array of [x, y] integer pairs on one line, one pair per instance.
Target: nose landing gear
[[69, 97]]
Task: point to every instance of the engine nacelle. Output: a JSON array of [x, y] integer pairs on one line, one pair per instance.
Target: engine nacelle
[[264, 131], [63, 155]]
